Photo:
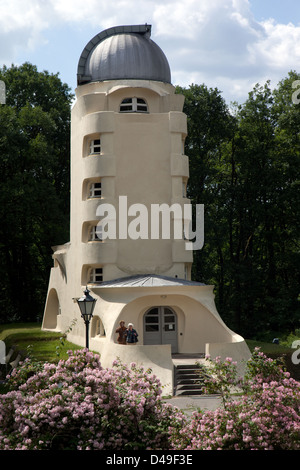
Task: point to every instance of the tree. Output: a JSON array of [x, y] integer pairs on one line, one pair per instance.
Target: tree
[[210, 124], [34, 165], [264, 258], [244, 167]]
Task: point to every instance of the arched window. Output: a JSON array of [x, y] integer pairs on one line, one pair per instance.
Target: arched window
[[97, 328], [133, 105]]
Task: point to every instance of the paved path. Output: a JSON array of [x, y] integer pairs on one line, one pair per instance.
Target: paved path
[[189, 403]]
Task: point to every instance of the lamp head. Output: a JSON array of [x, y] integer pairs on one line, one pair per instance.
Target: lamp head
[[86, 304]]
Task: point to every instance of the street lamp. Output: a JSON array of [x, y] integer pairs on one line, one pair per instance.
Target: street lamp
[[86, 304]]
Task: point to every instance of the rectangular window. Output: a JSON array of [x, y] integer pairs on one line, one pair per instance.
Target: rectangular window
[[95, 190], [96, 275], [95, 147], [184, 189], [152, 327], [186, 272], [182, 147], [95, 233]]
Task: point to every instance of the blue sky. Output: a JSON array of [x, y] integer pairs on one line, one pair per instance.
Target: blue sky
[[283, 11], [228, 44]]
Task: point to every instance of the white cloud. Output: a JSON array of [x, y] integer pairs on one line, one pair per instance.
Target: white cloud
[[221, 44], [217, 42], [279, 47], [21, 27]]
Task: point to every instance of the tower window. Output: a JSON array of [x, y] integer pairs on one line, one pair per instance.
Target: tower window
[[95, 275], [184, 188], [133, 105], [95, 190], [187, 271], [182, 146], [97, 328], [95, 233], [95, 147]]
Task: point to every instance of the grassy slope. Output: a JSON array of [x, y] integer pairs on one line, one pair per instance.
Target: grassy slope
[[43, 345]]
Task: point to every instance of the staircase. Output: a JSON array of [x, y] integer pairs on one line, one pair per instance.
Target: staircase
[[187, 380]]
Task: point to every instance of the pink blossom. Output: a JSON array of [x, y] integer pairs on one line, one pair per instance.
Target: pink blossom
[[88, 406]]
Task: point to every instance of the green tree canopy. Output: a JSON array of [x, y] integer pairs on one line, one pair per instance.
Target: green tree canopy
[[245, 169], [34, 166]]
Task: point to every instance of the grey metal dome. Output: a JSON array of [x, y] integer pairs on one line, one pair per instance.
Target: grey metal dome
[[123, 52]]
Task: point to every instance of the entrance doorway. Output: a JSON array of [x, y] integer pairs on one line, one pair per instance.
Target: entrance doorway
[[160, 327]]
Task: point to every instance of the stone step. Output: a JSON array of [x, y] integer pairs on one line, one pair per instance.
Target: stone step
[[187, 366], [188, 392], [188, 387], [187, 380], [193, 380], [187, 373]]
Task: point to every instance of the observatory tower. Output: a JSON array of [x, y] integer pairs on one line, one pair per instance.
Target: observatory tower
[[127, 163]]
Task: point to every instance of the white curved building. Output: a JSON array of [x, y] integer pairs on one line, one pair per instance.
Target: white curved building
[[127, 140]]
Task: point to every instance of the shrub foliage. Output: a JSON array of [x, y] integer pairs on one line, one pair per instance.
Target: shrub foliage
[[265, 416], [79, 405]]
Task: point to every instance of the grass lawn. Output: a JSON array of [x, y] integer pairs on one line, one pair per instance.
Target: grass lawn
[[43, 345], [268, 348]]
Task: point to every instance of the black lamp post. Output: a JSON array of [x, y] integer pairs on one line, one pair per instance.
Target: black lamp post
[[86, 304]]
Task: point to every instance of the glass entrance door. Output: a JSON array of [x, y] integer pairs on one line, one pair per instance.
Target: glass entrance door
[[160, 327]]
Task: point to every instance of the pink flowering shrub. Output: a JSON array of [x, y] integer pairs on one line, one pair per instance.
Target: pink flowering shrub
[[79, 405], [219, 377], [265, 417]]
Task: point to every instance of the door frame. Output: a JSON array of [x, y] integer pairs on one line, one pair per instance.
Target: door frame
[[161, 335]]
